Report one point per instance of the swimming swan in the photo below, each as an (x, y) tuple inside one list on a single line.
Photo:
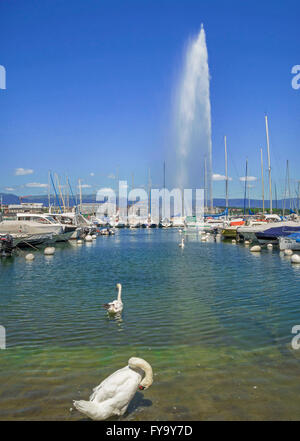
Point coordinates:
[(182, 243), (114, 394), (117, 305)]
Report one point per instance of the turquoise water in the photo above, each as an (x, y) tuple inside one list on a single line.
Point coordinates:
[(213, 320)]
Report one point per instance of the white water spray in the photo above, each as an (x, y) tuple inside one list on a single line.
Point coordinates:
[(194, 146)]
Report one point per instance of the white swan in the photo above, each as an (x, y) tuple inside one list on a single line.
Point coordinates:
[(116, 306), (113, 395), (182, 243)]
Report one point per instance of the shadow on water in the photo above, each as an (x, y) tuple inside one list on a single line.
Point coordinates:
[(137, 403)]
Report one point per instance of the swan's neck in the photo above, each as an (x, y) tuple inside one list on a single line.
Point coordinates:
[(119, 293), (139, 363)]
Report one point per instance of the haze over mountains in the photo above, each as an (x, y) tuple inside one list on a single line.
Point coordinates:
[(91, 198)]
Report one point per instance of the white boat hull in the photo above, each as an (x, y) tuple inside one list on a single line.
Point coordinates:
[(29, 228), (286, 243)]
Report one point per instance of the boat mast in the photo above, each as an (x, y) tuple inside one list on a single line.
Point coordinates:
[(68, 194), (80, 195), (269, 163), (49, 191), (164, 188), (285, 185), (205, 186), (298, 196), (289, 186), (248, 186), (56, 195), (226, 173), (60, 192), (245, 191), (149, 193), (117, 190), (262, 180)]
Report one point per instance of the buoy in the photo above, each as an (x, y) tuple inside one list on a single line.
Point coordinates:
[(288, 252), (295, 258), (233, 241), (94, 236), (255, 249), (80, 242), (270, 246), (246, 242), (203, 238), (29, 256), (88, 238), (49, 251)]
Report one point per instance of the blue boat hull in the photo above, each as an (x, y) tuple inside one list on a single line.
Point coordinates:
[(272, 234)]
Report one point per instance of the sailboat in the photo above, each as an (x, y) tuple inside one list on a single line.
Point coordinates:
[(149, 223), (165, 221)]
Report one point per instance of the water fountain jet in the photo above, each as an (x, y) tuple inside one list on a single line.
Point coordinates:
[(193, 123)]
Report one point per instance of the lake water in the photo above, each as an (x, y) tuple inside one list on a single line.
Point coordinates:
[(213, 320)]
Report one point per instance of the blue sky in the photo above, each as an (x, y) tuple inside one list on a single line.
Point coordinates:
[(90, 87)]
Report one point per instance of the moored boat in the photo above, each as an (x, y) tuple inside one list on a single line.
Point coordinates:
[(290, 242), (31, 223), (6, 245), (271, 235), (230, 232)]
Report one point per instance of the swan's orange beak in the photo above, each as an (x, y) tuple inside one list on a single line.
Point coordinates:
[(141, 387)]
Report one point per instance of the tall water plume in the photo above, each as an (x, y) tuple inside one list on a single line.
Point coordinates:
[(193, 120)]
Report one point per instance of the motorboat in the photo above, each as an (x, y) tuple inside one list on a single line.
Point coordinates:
[(165, 223), (134, 222), (215, 225), (27, 240), (290, 242), (106, 231), (149, 223), (71, 222), (272, 234), (6, 245), (192, 224), (80, 225), (177, 221), (230, 232), (255, 225), (31, 223)]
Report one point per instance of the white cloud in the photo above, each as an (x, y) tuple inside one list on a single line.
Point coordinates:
[(9, 189), (23, 171), (111, 176), (36, 185), (106, 190), (92, 174), (249, 178), (217, 177), (85, 186)]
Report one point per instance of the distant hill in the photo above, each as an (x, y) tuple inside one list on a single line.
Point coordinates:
[(9, 198), (90, 199)]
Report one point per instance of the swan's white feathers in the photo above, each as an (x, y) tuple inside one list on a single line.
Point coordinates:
[(109, 387), (115, 306), (114, 394)]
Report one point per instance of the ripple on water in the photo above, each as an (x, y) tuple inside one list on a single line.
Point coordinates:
[(214, 320)]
